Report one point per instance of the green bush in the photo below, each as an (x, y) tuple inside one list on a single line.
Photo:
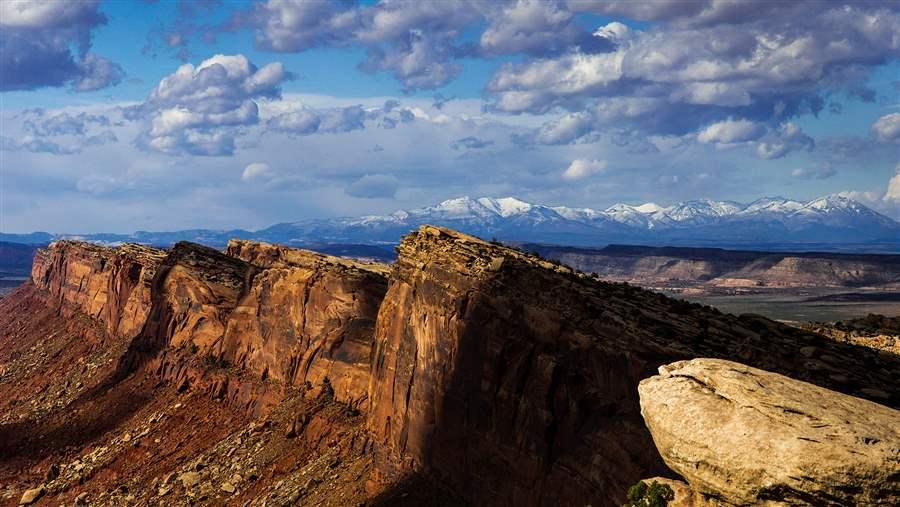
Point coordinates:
[(654, 495)]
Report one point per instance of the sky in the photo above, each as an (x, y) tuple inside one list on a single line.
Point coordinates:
[(117, 116)]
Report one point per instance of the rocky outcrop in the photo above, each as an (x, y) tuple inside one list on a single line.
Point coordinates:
[(284, 315), (111, 285), (746, 436), (305, 317), (514, 378), (510, 377)]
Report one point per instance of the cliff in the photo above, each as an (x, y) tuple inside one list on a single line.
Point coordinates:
[(284, 315), (111, 285), (510, 378), (514, 378)]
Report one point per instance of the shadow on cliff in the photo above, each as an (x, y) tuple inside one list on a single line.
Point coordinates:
[(525, 392), (416, 490)]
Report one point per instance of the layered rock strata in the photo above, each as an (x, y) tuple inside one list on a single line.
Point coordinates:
[(745, 436), (112, 285), (511, 376), (283, 315)]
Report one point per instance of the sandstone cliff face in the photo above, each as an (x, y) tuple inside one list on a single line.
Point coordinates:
[(287, 316), (111, 285), (514, 379), (746, 437), (510, 377), (284, 315), (305, 317)]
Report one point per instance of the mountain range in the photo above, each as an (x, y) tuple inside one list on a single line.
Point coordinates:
[(832, 222)]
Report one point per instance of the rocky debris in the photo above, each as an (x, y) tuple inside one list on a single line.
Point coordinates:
[(875, 331), (510, 379), (32, 495), (747, 436), (189, 479), (52, 473)]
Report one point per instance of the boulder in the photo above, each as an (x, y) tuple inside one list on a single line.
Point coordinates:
[(32, 495), (748, 436)]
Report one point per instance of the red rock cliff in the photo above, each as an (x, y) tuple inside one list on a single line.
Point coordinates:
[(284, 315), (111, 285), (515, 379)]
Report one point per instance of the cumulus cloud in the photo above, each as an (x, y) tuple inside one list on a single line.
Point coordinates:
[(789, 137), (257, 171), (892, 194), (887, 128), (47, 44), (536, 27), (373, 186), (60, 133), (197, 109), (706, 62), (471, 143), (582, 168), (731, 131), (821, 172)]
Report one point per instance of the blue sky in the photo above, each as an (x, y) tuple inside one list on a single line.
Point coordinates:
[(291, 110)]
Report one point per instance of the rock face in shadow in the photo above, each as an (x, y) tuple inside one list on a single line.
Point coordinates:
[(111, 285), (514, 379), (746, 436)]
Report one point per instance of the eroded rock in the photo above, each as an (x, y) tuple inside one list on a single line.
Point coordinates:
[(514, 380), (32, 495), (748, 436)]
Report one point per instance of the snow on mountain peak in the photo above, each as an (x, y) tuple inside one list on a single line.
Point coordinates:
[(505, 206), (648, 208)]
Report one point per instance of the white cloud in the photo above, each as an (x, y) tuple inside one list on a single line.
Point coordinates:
[(47, 44), (257, 171), (196, 109), (582, 168), (887, 128), (731, 131), (892, 194)]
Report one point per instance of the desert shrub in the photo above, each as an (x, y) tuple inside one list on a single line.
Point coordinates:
[(652, 495)]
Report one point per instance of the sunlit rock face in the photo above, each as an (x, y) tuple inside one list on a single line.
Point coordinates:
[(747, 436), (112, 285)]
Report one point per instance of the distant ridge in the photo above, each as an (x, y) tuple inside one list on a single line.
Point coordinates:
[(831, 222)]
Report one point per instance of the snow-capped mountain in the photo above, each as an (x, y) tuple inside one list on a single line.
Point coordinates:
[(770, 222)]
